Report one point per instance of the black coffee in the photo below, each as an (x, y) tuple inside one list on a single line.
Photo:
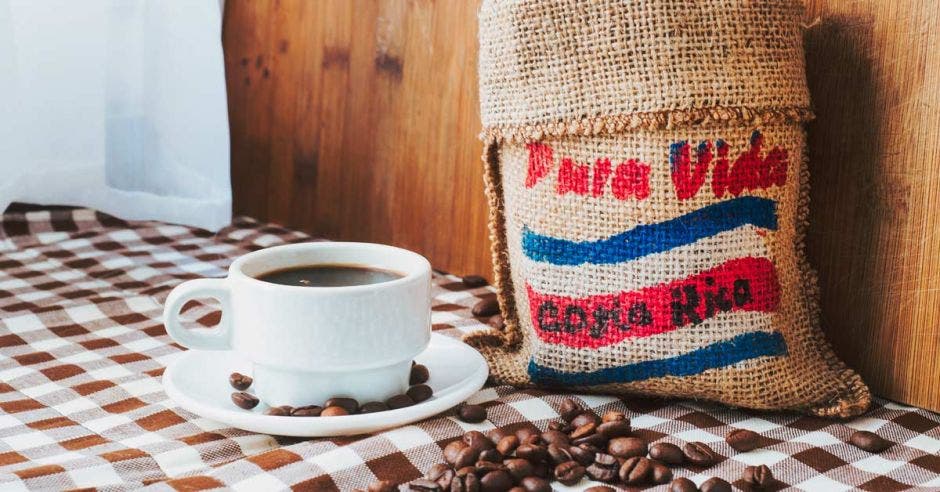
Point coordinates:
[(330, 275)]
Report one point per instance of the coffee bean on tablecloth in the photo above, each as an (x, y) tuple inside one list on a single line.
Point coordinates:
[(613, 416), (667, 453), (466, 457), (582, 455), (661, 473), (473, 281), (635, 470), (485, 308), (627, 447), (535, 484), (333, 411), (349, 404), (558, 454), (715, 484), (698, 453), (585, 418), (532, 452), (869, 441), (424, 485), (399, 401), (245, 400), (570, 409), (239, 381), (451, 451), (420, 392), (491, 455), (569, 472), (682, 484), (473, 414), (478, 440), (419, 374), (507, 445), (382, 486), (496, 481), (583, 431), (612, 429), (437, 471), (528, 432), (372, 407), (483, 467), (758, 477), (307, 411), (556, 437), (743, 440), (600, 488), (281, 411), (518, 468)]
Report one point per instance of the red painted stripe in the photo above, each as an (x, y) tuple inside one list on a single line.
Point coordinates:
[(741, 284)]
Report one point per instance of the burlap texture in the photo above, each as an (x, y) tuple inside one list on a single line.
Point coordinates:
[(631, 82)]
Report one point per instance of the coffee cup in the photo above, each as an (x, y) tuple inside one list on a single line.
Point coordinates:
[(311, 343)]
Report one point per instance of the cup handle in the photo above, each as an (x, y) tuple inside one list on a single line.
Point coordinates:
[(218, 338)]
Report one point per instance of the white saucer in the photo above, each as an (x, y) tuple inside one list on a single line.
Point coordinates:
[(198, 381)]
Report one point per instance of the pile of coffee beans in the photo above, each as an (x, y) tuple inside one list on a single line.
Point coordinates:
[(338, 406)]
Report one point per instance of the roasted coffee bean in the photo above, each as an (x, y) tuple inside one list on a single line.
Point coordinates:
[(585, 417), (606, 460), (698, 453), (583, 431), (559, 425), (742, 440), (682, 484), (600, 473), (517, 488), (486, 307), (569, 472), (532, 452), (758, 477), (600, 488), (382, 486), (437, 471), (582, 455), (399, 401), (424, 485), (466, 457), (507, 445), (349, 404), (527, 432), (466, 470), (473, 414), (635, 470), (281, 411), (239, 381), (542, 470), (518, 468), (535, 484), (245, 400), (496, 481), (556, 437), (627, 447), (451, 451), (372, 407), (484, 467), (419, 374), (420, 392), (334, 411), (558, 454), (473, 281), (596, 440), (446, 479), (570, 409), (491, 455), (471, 483), (661, 473), (478, 441), (615, 428), (498, 433), (613, 416), (667, 453), (715, 484), (869, 441), (307, 411)]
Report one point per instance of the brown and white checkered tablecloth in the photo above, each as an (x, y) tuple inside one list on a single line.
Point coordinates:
[(82, 350)]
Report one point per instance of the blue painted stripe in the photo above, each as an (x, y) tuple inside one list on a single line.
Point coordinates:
[(720, 354), (648, 239)]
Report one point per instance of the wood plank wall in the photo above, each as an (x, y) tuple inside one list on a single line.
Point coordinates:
[(357, 120)]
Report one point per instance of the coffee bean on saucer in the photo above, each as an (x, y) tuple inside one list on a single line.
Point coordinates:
[(333, 411), (682, 484), (281, 411), (743, 440), (485, 308), (420, 392), (869, 441), (570, 409), (758, 477), (239, 381), (473, 414), (399, 401), (245, 400), (382, 486), (698, 453), (667, 453), (419, 374), (307, 411), (349, 404), (715, 484), (473, 281), (372, 407)]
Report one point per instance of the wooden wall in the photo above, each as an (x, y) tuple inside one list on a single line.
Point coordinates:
[(357, 120)]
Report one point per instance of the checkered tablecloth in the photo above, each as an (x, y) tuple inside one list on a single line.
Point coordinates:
[(83, 348)]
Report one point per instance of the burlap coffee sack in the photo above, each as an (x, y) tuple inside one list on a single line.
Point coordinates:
[(648, 203)]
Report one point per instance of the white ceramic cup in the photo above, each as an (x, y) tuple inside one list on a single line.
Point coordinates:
[(308, 344)]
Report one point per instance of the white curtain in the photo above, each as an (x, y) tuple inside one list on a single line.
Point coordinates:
[(117, 105)]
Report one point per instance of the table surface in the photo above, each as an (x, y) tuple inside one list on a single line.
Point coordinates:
[(83, 348)]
